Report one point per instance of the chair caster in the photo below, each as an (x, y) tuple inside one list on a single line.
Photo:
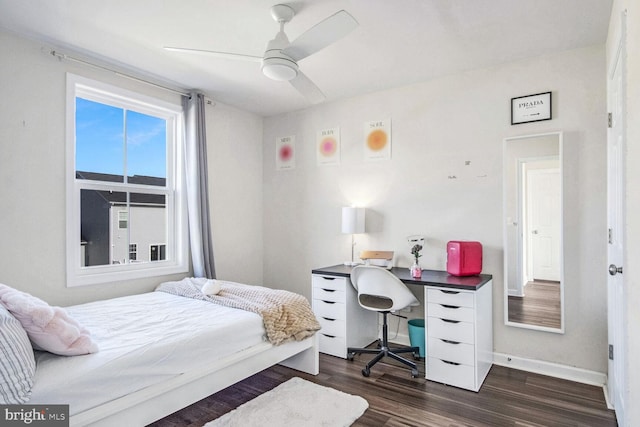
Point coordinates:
[(366, 372), (350, 356), (414, 373)]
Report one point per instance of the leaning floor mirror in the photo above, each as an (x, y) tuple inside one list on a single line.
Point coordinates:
[(533, 263)]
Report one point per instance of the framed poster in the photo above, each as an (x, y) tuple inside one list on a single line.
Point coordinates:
[(377, 140), (531, 108), (328, 146), (285, 152)]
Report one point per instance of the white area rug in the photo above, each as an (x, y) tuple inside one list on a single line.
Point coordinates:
[(296, 402)]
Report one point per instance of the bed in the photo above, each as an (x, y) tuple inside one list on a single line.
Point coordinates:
[(159, 352)]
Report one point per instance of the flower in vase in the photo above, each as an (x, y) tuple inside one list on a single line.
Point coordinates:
[(415, 251)]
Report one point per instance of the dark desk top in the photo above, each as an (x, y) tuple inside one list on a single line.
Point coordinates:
[(429, 277)]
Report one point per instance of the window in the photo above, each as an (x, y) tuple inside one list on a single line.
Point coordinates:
[(157, 252), (133, 251), (124, 185), (123, 219)]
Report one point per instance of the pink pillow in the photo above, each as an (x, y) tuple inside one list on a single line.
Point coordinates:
[(49, 328)]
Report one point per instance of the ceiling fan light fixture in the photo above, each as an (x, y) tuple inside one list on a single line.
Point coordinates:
[(279, 69)]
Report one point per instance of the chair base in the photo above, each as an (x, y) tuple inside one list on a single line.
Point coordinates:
[(386, 351)]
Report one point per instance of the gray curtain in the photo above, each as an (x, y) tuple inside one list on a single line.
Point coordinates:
[(197, 187)]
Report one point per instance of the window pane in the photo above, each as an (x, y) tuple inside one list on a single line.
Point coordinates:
[(146, 149), (99, 141), (148, 223), (103, 236), (98, 210)]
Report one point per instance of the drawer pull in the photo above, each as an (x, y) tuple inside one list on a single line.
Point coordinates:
[(329, 336), (450, 321), (449, 341), (329, 319), (328, 302), (328, 290), (328, 278), (450, 306), (451, 363), (449, 292)]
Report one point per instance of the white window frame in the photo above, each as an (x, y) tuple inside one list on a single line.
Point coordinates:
[(177, 230)]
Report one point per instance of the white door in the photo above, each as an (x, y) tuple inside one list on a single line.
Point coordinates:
[(616, 294), (544, 221)]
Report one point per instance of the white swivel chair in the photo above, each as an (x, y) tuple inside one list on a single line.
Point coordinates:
[(380, 290)]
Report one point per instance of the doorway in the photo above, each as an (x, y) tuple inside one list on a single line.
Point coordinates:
[(616, 292)]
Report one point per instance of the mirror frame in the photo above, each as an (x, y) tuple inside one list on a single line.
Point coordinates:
[(507, 141)]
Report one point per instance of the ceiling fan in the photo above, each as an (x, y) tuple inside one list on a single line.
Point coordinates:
[(280, 59)]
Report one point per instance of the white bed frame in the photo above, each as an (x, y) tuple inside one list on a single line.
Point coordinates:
[(155, 402)]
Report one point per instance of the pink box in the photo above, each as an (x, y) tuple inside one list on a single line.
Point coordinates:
[(464, 258)]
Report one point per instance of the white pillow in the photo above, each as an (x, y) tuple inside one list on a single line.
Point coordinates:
[(17, 364), (211, 287), (49, 328)]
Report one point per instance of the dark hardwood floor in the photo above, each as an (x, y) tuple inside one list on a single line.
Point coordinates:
[(508, 397), (540, 306)]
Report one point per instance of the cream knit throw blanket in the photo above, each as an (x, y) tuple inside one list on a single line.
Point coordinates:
[(286, 315)]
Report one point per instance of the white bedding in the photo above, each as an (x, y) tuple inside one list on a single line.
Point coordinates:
[(173, 334)]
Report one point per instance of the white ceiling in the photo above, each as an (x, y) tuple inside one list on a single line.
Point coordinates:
[(397, 43)]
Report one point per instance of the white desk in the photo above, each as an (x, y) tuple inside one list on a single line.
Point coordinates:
[(458, 321)]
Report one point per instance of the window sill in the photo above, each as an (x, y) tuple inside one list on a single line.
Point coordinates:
[(87, 277)]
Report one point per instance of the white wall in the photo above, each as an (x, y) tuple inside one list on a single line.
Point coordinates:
[(632, 183), (234, 140), (32, 185), (436, 127)]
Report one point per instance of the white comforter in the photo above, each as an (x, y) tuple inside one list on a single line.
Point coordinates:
[(142, 339)]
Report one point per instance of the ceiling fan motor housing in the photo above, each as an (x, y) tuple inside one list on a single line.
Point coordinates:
[(275, 64)]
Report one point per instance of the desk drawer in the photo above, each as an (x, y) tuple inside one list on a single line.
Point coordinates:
[(452, 331), (329, 282), (450, 373), (451, 351), (332, 326), (328, 295), (336, 346), (451, 312), (329, 309), (450, 297)]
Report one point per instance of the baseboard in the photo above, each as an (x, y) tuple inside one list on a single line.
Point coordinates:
[(556, 370), (551, 369), (607, 400)]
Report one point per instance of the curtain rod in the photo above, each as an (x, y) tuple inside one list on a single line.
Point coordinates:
[(117, 73)]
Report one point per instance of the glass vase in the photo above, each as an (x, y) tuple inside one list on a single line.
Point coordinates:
[(416, 271)]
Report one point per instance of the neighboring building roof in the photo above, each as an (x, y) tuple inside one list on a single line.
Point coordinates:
[(120, 197), (135, 179)]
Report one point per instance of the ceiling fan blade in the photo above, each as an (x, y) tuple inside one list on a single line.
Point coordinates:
[(213, 53), (321, 35), (307, 88)]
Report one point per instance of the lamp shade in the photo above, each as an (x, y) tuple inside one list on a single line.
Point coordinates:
[(352, 220)]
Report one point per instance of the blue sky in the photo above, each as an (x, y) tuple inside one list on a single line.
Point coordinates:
[(100, 146)]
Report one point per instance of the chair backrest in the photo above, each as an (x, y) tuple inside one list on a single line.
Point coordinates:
[(380, 290)]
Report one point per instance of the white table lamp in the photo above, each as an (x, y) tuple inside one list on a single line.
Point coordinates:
[(352, 223)]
